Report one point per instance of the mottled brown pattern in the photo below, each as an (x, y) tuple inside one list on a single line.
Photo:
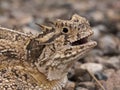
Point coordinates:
[(29, 62)]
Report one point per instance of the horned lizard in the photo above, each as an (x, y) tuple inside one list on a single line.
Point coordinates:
[(41, 62)]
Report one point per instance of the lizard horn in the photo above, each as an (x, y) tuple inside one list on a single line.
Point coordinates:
[(43, 27)]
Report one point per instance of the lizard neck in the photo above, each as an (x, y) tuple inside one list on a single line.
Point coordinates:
[(45, 83)]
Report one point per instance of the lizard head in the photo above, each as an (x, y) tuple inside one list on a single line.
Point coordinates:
[(68, 41), (74, 33), (73, 36)]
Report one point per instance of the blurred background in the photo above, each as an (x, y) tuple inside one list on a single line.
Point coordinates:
[(104, 18)]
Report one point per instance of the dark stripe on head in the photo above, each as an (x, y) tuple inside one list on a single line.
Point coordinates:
[(53, 38)]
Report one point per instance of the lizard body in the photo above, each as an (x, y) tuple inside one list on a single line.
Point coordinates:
[(29, 62)]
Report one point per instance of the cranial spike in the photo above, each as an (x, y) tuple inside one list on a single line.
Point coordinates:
[(76, 18), (44, 28)]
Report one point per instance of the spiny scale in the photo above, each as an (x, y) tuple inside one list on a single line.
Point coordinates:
[(42, 62)]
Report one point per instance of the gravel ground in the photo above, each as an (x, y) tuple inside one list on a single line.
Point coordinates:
[(104, 16)]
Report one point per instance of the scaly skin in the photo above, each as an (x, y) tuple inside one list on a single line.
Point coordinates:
[(29, 62)]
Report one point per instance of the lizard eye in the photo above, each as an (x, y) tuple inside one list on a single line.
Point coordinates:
[(65, 30)]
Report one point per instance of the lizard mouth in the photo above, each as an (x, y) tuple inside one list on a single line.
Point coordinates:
[(80, 41)]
